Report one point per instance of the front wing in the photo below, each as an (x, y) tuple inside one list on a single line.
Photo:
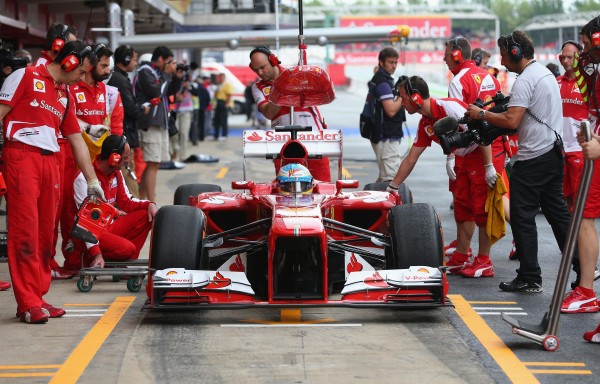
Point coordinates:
[(418, 286)]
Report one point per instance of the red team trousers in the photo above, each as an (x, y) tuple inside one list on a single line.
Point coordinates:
[(32, 181)]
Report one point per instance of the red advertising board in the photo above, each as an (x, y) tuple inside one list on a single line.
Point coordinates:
[(424, 27), (370, 58)]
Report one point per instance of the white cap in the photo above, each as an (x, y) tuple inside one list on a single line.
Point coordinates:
[(145, 57)]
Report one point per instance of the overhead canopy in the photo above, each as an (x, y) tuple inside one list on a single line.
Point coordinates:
[(255, 38)]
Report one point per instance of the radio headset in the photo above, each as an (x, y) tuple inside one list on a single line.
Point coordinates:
[(457, 54), (413, 94), (273, 59), (515, 53), (60, 40), (75, 58)]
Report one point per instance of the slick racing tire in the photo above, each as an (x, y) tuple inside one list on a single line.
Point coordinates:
[(403, 190), (177, 237), (416, 236), (183, 192)]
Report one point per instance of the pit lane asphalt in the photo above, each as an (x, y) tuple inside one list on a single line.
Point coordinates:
[(107, 338)]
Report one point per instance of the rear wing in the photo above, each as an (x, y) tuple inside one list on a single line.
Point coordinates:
[(267, 144)]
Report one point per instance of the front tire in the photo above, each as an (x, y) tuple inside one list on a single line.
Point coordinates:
[(177, 237), (403, 190), (416, 234), (183, 192)]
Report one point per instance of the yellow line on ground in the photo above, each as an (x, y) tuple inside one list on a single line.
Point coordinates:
[(36, 374), (493, 302), (290, 315), (30, 366), (553, 364), (222, 172), (83, 354), (514, 368), (345, 173), (561, 371)]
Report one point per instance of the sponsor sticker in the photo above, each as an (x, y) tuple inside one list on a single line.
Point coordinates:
[(39, 86), (80, 96)]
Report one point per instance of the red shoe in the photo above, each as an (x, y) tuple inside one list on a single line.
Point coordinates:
[(52, 311), (513, 255), (592, 336), (450, 248), (35, 315), (455, 266), (578, 302), (478, 269), (63, 274), (4, 285)]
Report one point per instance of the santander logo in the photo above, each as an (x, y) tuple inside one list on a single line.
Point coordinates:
[(354, 265), (254, 137), (218, 281), (376, 281), (238, 266)]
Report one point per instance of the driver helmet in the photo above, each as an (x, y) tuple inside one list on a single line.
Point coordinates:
[(294, 179)]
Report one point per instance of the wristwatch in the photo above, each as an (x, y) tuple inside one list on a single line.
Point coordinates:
[(482, 114)]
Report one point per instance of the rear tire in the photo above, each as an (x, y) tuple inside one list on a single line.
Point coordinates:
[(403, 190), (416, 236), (183, 192), (177, 237)]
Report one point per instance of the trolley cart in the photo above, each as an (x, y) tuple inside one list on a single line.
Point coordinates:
[(134, 270), (546, 333)]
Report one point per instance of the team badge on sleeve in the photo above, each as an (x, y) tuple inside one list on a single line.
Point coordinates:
[(39, 85)]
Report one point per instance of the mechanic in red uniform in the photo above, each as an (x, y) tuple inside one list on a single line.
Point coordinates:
[(35, 106), (95, 104), (126, 236), (58, 35), (470, 195), (574, 111), (469, 84), (583, 298), (267, 66)]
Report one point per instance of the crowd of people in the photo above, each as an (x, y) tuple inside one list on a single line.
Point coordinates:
[(544, 152), (74, 127)]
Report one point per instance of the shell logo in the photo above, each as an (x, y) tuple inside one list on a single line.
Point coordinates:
[(429, 130), (39, 85), (171, 273), (267, 90), (80, 97), (423, 270)]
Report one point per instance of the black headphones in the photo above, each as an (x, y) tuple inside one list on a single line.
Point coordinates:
[(98, 48), (125, 54), (572, 42), (413, 94), (273, 60), (513, 49), (457, 54), (75, 58), (478, 57)]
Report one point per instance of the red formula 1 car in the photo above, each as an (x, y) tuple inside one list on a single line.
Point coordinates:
[(256, 247)]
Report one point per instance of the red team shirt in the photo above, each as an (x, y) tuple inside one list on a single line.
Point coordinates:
[(94, 105), (574, 110), (41, 107)]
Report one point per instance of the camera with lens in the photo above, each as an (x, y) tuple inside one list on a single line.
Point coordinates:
[(7, 59), (183, 67), (479, 131)]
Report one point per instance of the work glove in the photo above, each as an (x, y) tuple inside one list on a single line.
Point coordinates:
[(96, 130), (392, 188), (94, 191), (490, 175), (450, 167)]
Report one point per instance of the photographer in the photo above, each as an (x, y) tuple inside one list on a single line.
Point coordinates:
[(472, 187), (389, 116), (535, 111), (184, 108), (9, 63), (156, 80)]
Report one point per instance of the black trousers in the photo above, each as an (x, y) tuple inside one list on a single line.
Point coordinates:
[(537, 183), (220, 122)]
